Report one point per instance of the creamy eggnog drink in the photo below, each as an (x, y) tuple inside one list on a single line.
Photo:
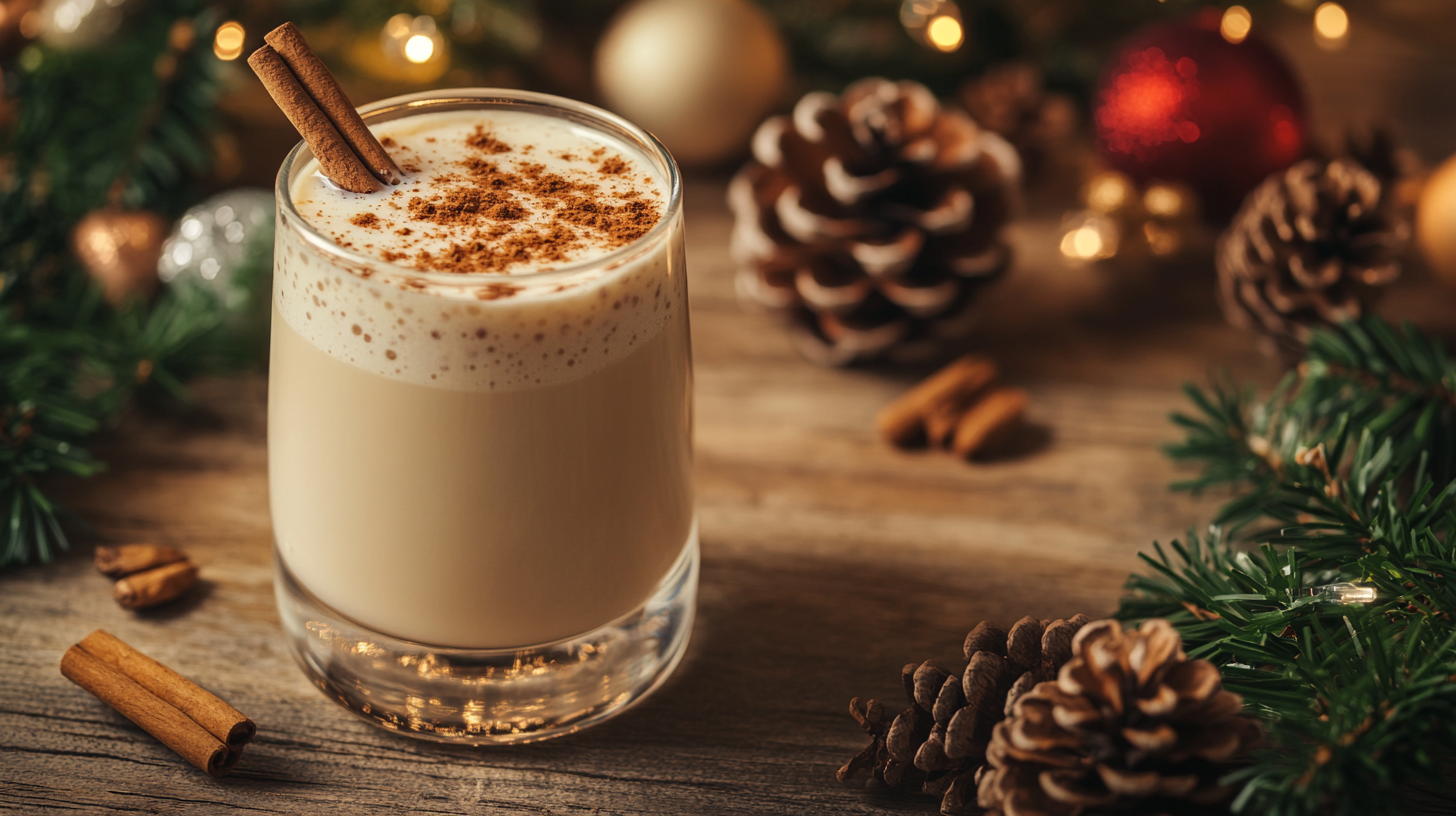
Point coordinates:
[(480, 419)]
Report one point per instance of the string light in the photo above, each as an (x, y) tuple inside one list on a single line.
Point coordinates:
[(412, 41), (228, 42), (936, 23), (1342, 593), (419, 48), (1331, 26), (1090, 238), (945, 33), (1236, 23), (1108, 191), (1163, 201)]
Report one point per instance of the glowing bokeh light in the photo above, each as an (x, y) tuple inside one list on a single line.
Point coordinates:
[(419, 48), (945, 33), (228, 43), (1236, 23), (1163, 201), (1331, 26)]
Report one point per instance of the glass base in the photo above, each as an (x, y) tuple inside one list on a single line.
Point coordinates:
[(492, 696)]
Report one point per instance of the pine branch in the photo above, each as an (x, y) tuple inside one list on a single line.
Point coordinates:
[(1346, 487), (123, 124)]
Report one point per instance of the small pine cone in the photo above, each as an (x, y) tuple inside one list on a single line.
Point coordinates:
[(939, 742), (1129, 726), (1312, 245), (1010, 100), (872, 220)]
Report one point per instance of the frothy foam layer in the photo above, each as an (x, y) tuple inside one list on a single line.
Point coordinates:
[(488, 327), (490, 192)]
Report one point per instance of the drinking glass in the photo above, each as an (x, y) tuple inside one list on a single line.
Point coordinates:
[(504, 550)]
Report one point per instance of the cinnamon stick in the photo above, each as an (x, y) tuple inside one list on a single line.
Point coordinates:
[(126, 559), (142, 590), (335, 157), (989, 421), (174, 729), (902, 422), (940, 422), (206, 709), (319, 82)]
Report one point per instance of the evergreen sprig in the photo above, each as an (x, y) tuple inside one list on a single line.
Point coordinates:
[(123, 124), (1344, 487)]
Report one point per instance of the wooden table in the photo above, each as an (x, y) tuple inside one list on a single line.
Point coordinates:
[(829, 560)]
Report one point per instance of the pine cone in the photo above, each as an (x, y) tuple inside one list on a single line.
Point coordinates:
[(1312, 245), (940, 741), (1010, 100), (1130, 726), (872, 220)]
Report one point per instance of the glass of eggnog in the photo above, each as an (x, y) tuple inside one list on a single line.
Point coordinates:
[(480, 420)]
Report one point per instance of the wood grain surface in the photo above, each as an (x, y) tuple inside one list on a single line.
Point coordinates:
[(829, 560)]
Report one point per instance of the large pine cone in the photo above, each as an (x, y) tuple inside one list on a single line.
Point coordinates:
[(1310, 246), (872, 219), (1130, 726), (940, 741)]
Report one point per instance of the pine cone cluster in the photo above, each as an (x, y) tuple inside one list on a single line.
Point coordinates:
[(872, 219), (939, 742), (1312, 245), (1129, 726)]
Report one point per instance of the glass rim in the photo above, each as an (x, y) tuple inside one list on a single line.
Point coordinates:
[(422, 102)]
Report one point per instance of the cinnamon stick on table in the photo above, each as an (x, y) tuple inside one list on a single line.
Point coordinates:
[(190, 720), (155, 586), (116, 562), (176, 730), (944, 394)]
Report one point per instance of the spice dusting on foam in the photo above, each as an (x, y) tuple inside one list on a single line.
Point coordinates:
[(488, 195), (476, 202)]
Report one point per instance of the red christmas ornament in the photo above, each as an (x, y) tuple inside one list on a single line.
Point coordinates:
[(1180, 103)]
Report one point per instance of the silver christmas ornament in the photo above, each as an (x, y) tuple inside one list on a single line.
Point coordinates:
[(214, 240)]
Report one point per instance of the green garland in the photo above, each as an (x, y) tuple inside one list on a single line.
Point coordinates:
[(97, 127), (1344, 476)]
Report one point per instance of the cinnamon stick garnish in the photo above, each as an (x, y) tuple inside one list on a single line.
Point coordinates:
[(203, 707), (319, 82), (142, 590), (904, 421), (989, 421), (126, 559), (335, 157), (174, 729)]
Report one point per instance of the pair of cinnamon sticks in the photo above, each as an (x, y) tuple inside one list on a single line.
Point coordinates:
[(311, 98), (147, 574), (959, 407), (190, 720)]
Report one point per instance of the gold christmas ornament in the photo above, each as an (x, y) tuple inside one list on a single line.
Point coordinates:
[(1436, 222), (119, 250), (699, 74)]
